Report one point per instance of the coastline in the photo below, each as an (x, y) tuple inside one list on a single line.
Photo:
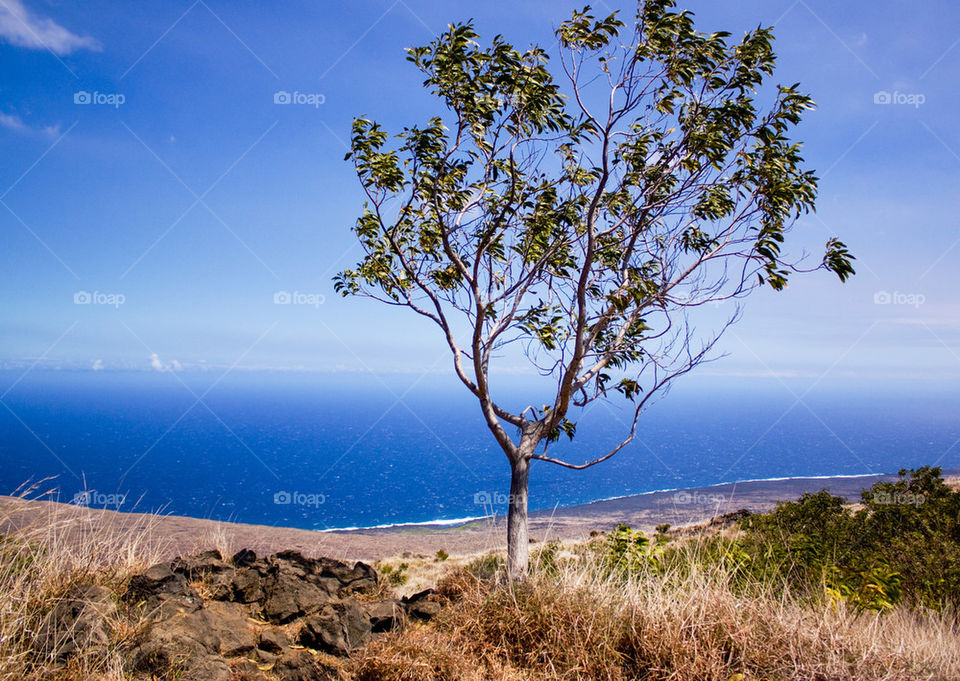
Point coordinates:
[(175, 535), (574, 508)]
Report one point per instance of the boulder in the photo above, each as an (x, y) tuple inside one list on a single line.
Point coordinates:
[(337, 629), (289, 597), (196, 643), (247, 586), (299, 665), (385, 615), (177, 647), (161, 592), (422, 605), (244, 558), (78, 623), (229, 624), (359, 578), (273, 641), (200, 566), (241, 585)]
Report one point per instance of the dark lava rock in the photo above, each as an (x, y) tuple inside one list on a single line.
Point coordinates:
[(78, 623), (337, 629), (196, 643), (244, 558), (385, 615), (199, 566), (422, 605), (246, 585), (273, 641), (223, 634), (299, 665), (728, 519), (243, 585), (357, 579), (161, 592), (289, 596)]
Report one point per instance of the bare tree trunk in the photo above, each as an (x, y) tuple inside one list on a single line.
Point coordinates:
[(518, 545)]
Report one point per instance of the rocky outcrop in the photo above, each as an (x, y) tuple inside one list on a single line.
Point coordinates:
[(160, 593), (209, 617), (79, 622), (422, 605)]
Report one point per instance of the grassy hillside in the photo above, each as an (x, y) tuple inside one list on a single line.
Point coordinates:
[(816, 589)]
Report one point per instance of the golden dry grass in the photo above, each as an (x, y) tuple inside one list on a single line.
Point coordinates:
[(573, 621), (39, 565), (581, 623)]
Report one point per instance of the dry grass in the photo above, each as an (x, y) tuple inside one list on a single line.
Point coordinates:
[(578, 622), (40, 563), (572, 621), (421, 572)]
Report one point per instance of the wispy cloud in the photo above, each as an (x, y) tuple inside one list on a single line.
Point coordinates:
[(21, 27), (17, 124), (13, 122)]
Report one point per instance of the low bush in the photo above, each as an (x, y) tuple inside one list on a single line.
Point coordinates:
[(901, 546)]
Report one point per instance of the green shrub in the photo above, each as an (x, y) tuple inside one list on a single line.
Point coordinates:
[(396, 575), (486, 567), (902, 546), (626, 550), (544, 558)]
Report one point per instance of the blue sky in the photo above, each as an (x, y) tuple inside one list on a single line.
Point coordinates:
[(146, 163)]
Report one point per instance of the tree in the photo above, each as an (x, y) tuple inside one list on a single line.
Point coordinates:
[(583, 222)]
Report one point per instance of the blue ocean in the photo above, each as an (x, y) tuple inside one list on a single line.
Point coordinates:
[(328, 451)]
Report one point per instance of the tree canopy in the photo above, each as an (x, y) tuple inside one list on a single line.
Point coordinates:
[(584, 216)]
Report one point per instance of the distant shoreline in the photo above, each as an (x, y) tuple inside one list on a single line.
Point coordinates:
[(177, 535), (455, 522)]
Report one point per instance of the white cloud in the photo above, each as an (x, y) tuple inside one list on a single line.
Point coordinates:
[(15, 123), (20, 27), (97, 365), (160, 365), (156, 363)]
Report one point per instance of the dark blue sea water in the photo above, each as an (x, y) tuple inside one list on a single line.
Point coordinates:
[(345, 450)]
